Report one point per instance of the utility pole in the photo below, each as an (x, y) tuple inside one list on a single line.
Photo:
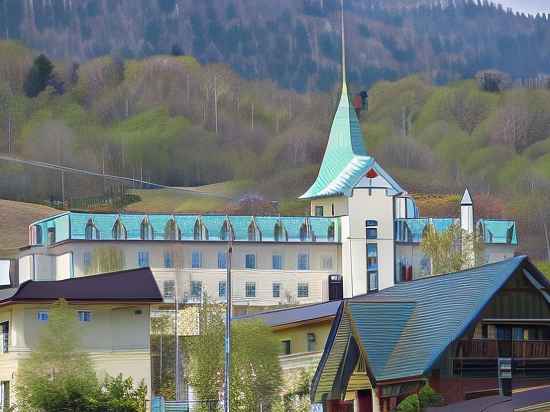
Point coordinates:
[(227, 387), (176, 307), (216, 101)]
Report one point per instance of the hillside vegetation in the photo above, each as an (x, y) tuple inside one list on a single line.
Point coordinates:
[(156, 119), (294, 43)]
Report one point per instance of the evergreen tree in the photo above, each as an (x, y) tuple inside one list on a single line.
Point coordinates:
[(39, 76)]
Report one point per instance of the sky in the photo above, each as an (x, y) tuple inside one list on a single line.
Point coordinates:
[(528, 6)]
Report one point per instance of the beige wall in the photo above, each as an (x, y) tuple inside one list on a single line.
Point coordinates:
[(340, 206), (210, 276), (117, 339)]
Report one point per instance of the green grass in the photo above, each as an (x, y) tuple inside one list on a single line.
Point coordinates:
[(180, 201), (544, 267)]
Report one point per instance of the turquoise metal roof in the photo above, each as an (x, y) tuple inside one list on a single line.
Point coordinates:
[(499, 231), (346, 159), (412, 230), (77, 222), (406, 328)]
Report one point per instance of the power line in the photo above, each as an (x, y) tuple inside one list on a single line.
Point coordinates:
[(73, 170)]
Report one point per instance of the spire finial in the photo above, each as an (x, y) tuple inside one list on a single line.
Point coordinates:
[(344, 80)]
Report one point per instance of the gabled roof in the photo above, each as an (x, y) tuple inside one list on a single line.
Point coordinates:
[(442, 309), (135, 285), (406, 328)]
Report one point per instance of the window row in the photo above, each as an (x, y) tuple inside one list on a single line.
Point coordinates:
[(172, 260), (310, 344), (83, 316), (201, 232), (250, 290)]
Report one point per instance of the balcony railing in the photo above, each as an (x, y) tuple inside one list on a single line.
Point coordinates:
[(492, 349)]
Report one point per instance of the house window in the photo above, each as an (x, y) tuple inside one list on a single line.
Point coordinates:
[(319, 211), (168, 260), (87, 260), (196, 289), (226, 232), (311, 342), (326, 263), (330, 233), (279, 233), (286, 347), (84, 316), (222, 260), (252, 233), (303, 261), (119, 231), (222, 289), (250, 289), (143, 259), (277, 262), (171, 230), (42, 316), (304, 233), (276, 290), (372, 267), (250, 261), (303, 290), (4, 396), (169, 289), (196, 259), (4, 337), (51, 236), (372, 229), (146, 230)]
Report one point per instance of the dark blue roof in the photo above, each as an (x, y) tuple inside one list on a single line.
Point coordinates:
[(296, 314), (404, 329)]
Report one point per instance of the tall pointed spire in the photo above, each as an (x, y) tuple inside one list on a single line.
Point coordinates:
[(343, 28)]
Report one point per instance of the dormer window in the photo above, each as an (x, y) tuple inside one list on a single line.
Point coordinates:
[(146, 230), (172, 231), (119, 231), (91, 232)]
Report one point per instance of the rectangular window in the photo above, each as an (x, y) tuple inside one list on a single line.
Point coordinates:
[(250, 262), (311, 342), (222, 289), (327, 263), (276, 290), (169, 289), (4, 337), (372, 229), (250, 289), (319, 211), (168, 260), (51, 236), (277, 262), (196, 259), (303, 261), (303, 290), (196, 289), (42, 316), (222, 260), (4, 396), (372, 267), (286, 348), (87, 260), (143, 259), (84, 316)]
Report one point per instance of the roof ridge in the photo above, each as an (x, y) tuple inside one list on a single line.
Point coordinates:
[(105, 274), (309, 305)]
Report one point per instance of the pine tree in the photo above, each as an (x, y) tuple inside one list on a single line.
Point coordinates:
[(39, 76)]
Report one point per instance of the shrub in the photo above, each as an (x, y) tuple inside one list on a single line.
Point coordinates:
[(428, 397), (409, 404)]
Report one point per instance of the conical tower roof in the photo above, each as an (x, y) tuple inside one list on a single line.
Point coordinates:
[(346, 159)]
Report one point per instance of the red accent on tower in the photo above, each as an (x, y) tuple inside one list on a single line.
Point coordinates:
[(371, 174)]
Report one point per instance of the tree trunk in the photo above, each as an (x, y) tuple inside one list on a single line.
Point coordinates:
[(547, 238)]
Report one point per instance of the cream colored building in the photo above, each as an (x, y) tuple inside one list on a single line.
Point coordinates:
[(114, 321)]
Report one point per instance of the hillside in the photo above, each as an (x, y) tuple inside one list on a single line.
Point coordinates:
[(172, 121), (294, 43), (15, 218)]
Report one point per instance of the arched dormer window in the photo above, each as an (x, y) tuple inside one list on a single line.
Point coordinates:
[(304, 233), (91, 232), (146, 230), (227, 231), (172, 231), (119, 231), (254, 234), (331, 233), (38, 239), (280, 233), (199, 231)]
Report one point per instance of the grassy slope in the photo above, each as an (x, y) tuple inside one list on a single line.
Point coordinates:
[(15, 217)]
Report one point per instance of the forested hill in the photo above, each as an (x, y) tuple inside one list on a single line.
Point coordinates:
[(292, 42)]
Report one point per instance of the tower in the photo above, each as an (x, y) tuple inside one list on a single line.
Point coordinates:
[(467, 226), (352, 185)]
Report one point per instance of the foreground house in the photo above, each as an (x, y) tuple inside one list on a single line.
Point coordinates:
[(448, 331), (114, 313)]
